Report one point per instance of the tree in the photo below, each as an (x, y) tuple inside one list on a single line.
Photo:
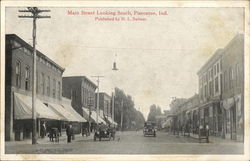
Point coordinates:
[(154, 111), (132, 119)]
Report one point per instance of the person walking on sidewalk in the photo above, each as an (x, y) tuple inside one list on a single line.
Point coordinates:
[(69, 132)]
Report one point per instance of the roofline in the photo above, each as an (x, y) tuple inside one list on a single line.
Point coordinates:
[(236, 37), (84, 77), (14, 36), (217, 54), (104, 94), (221, 50)]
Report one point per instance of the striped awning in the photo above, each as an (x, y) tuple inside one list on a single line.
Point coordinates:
[(68, 112), (23, 108)]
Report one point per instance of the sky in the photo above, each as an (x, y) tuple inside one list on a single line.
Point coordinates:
[(157, 58)]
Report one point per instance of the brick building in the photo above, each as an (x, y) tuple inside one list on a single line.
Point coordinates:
[(233, 88), (18, 86), (210, 93), (221, 90), (220, 103), (104, 103), (81, 91)]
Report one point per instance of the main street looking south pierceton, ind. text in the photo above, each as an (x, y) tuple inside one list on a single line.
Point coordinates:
[(118, 15)]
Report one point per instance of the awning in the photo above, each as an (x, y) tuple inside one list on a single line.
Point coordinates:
[(86, 115), (23, 108), (112, 121), (68, 113), (76, 114), (92, 116), (166, 123), (228, 103), (100, 120)]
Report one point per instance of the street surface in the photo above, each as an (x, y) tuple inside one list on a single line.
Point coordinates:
[(128, 142)]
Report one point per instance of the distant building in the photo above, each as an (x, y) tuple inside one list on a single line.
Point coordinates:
[(104, 103), (18, 87), (81, 91)]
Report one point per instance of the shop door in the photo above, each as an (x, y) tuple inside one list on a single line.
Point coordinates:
[(233, 122)]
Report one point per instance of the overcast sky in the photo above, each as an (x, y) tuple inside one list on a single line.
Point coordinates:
[(157, 58)]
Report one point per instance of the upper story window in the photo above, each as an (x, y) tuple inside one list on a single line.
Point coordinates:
[(214, 69), (237, 74), (225, 81), (216, 84), (231, 77), (48, 86), (18, 74), (54, 88), (27, 78), (218, 69), (74, 95), (59, 90), (43, 83)]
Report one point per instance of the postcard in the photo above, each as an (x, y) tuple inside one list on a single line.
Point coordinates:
[(125, 80)]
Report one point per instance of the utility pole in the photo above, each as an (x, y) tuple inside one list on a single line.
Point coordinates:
[(90, 104), (113, 93), (35, 15), (122, 115), (113, 107), (97, 103)]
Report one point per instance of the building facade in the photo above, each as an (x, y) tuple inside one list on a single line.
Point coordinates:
[(81, 91), (233, 89), (18, 84), (104, 103), (220, 102), (210, 93)]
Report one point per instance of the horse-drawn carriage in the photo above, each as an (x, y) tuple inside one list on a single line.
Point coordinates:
[(54, 134)]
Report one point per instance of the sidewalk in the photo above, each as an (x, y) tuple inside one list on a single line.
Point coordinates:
[(45, 140), (215, 139)]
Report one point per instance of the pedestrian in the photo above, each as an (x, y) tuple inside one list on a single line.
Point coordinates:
[(43, 130), (69, 132)]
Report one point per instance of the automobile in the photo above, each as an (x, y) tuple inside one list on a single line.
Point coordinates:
[(104, 133), (149, 129)]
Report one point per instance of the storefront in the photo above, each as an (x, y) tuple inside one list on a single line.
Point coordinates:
[(23, 116), (210, 114), (233, 118)]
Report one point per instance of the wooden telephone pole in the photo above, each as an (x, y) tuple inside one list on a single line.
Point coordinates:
[(35, 15), (97, 102)]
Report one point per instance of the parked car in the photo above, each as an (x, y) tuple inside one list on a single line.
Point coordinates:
[(149, 129)]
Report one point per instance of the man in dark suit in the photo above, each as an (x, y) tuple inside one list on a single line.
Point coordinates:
[(69, 132)]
